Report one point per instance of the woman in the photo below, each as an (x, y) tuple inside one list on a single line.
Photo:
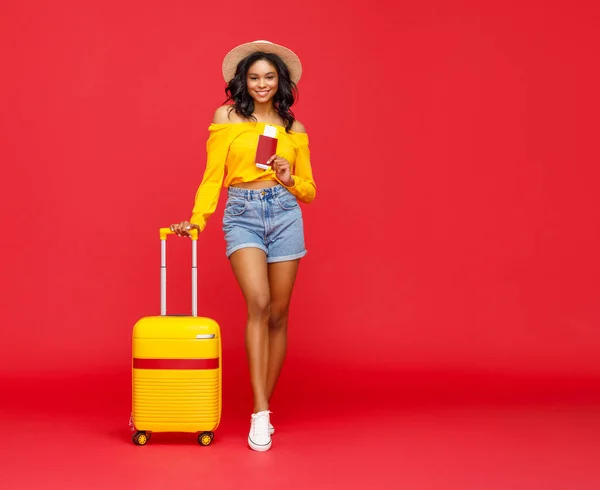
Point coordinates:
[(262, 221)]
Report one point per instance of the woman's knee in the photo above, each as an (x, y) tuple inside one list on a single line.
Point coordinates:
[(259, 307), (278, 317)]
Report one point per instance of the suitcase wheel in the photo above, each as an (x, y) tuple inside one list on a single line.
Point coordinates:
[(140, 438), (205, 438)]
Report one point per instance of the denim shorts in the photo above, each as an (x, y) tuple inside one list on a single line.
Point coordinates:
[(269, 219)]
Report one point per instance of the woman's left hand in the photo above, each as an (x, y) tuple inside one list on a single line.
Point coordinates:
[(282, 170)]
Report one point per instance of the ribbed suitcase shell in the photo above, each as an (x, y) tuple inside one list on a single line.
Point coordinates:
[(176, 374)]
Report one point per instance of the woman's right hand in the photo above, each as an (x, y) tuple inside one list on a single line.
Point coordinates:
[(183, 228)]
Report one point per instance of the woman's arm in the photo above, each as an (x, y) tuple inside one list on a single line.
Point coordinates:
[(304, 187), (217, 147)]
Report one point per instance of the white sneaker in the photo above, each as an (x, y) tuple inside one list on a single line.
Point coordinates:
[(271, 429), (259, 438)]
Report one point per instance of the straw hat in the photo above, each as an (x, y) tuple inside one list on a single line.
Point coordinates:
[(238, 53)]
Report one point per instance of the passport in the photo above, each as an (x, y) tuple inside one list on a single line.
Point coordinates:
[(267, 147)]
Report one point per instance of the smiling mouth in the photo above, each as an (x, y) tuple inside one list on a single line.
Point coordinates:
[(262, 93)]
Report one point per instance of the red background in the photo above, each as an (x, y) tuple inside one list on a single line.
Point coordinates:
[(455, 228)]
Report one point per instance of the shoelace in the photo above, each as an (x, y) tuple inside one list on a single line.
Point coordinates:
[(258, 421)]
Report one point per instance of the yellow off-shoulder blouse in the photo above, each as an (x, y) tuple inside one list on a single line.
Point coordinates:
[(230, 150)]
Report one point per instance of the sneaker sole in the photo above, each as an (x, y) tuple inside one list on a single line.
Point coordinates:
[(257, 447)]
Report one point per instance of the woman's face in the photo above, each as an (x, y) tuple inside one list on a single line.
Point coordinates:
[(262, 81)]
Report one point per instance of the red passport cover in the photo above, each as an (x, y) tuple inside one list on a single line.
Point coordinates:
[(267, 147)]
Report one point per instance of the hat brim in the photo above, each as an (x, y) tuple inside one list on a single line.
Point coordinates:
[(238, 53)]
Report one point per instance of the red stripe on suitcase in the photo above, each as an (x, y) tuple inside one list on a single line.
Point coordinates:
[(176, 363)]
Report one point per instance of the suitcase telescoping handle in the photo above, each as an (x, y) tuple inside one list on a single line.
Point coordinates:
[(164, 232)]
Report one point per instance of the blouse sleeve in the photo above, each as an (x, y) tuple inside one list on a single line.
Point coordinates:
[(207, 195), (304, 187)]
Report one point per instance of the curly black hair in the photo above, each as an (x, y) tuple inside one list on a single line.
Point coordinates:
[(284, 98)]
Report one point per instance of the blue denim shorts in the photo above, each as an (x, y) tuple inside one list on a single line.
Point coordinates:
[(269, 219)]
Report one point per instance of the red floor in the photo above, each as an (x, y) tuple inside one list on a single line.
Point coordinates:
[(408, 431)]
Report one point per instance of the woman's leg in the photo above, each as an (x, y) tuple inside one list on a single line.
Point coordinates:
[(250, 269), (281, 283)]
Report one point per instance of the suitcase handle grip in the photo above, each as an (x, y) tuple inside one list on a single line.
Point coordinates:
[(164, 232), (167, 231)]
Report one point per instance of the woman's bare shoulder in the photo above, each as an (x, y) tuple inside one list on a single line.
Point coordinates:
[(298, 127), (225, 114)]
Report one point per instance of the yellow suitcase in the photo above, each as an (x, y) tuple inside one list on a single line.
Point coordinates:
[(176, 367)]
